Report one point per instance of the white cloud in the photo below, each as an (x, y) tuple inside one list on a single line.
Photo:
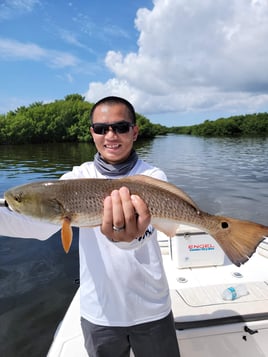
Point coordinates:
[(70, 38), (11, 49), (13, 8), (194, 56)]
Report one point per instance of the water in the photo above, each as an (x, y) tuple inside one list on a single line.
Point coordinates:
[(37, 279), (224, 176)]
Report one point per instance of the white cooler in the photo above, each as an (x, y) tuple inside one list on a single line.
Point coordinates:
[(191, 247)]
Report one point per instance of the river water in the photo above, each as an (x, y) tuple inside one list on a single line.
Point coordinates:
[(38, 280)]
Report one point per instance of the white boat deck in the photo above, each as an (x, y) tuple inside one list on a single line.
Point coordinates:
[(206, 324)]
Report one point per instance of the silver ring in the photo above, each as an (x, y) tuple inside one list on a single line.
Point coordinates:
[(118, 229)]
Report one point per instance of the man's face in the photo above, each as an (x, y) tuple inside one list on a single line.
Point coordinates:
[(112, 146)]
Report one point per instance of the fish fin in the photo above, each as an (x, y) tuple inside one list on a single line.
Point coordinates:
[(66, 234), (166, 226), (239, 239), (164, 185)]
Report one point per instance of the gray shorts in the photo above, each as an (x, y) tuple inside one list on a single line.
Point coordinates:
[(156, 339)]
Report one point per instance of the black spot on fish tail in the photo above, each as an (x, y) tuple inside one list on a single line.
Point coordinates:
[(224, 225)]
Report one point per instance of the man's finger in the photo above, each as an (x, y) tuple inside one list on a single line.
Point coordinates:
[(107, 219), (118, 212), (142, 211)]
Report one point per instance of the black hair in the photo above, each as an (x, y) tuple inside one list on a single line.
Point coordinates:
[(115, 100)]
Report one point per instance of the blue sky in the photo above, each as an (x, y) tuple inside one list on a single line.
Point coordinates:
[(179, 62)]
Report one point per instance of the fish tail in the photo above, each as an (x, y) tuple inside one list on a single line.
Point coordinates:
[(239, 239)]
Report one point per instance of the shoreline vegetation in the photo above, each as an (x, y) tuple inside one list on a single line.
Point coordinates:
[(67, 120)]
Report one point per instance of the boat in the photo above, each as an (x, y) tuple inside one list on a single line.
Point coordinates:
[(207, 325)]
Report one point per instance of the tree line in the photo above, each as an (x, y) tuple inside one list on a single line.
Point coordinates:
[(67, 120), (240, 125), (64, 120)]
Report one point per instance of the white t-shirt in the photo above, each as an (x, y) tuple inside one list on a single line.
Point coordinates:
[(120, 287), (121, 284)]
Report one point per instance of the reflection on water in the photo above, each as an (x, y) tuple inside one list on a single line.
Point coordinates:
[(224, 176), (38, 162)]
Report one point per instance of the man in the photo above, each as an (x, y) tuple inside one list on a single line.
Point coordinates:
[(125, 300)]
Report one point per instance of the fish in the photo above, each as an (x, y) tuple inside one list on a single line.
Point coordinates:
[(79, 202)]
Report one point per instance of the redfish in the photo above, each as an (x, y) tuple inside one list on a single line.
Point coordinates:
[(79, 202)]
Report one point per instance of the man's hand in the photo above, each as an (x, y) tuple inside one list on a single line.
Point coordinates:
[(125, 216)]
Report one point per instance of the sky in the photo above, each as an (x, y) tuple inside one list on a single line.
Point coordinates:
[(180, 62)]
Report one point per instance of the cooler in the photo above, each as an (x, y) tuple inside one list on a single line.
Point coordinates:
[(191, 247)]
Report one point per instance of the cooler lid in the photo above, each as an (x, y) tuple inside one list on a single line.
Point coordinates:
[(183, 229)]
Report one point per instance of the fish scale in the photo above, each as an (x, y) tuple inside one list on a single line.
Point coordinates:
[(79, 202)]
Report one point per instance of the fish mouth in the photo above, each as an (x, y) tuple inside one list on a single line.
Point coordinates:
[(4, 203)]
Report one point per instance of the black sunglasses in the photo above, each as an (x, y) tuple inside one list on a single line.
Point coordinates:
[(120, 127)]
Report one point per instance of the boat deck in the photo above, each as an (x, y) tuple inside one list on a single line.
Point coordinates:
[(199, 310)]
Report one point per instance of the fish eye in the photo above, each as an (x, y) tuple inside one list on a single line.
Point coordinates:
[(18, 197)]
